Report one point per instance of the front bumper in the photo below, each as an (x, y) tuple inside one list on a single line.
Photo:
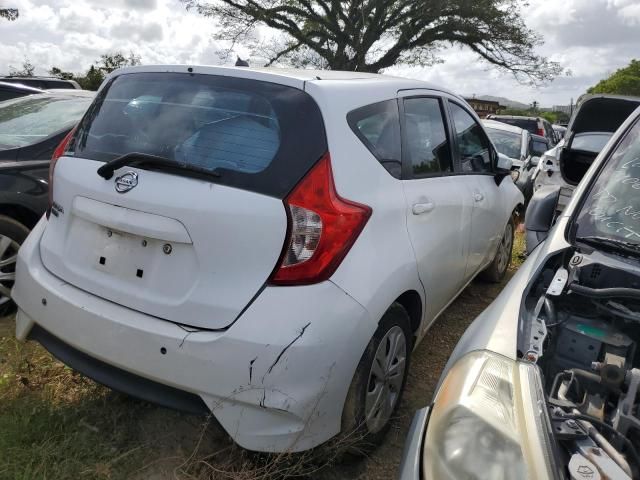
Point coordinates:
[(276, 380), (411, 465)]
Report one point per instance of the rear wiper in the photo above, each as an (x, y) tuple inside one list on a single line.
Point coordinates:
[(137, 158), (610, 244)]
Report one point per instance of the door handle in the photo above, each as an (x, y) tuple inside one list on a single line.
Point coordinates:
[(478, 197), (420, 208)]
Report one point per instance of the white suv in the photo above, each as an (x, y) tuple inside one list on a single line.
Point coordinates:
[(267, 245)]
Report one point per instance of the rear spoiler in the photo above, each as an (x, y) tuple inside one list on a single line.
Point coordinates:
[(25, 165)]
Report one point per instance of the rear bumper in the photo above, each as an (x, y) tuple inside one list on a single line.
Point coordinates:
[(276, 379)]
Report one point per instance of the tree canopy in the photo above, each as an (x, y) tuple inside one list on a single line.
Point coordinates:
[(371, 35), (625, 81), (95, 75), (9, 13)]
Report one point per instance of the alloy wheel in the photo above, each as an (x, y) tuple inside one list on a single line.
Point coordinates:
[(385, 379), (8, 257), (504, 250)]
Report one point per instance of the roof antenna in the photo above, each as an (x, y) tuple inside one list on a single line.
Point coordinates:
[(241, 63)]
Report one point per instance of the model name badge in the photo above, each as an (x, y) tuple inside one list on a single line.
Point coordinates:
[(126, 182)]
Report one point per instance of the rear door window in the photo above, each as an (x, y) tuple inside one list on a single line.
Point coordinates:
[(257, 135), (427, 148), (378, 128)]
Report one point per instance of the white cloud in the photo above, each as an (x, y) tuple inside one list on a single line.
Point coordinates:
[(591, 38)]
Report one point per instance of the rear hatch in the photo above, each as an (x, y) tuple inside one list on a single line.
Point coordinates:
[(593, 123), (190, 247)]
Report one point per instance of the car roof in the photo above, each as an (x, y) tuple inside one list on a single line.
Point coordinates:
[(502, 126), (521, 117), (288, 76)]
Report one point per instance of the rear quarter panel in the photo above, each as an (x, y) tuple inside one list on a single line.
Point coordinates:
[(381, 265)]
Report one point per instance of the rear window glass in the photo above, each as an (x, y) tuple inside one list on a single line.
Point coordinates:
[(259, 136), (530, 125), (588, 142)]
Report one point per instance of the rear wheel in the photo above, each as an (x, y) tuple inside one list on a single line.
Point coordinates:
[(498, 268), (377, 386), (12, 234)]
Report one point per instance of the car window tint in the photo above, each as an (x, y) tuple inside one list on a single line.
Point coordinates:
[(427, 146), (538, 147), (474, 147), (378, 128)]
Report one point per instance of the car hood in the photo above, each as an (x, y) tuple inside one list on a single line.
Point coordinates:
[(601, 113)]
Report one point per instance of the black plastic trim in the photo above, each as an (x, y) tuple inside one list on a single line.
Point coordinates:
[(117, 379)]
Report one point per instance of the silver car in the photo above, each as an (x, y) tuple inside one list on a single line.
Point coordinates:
[(545, 382)]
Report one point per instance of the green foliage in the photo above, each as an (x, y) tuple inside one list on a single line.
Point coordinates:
[(625, 81), (26, 70), (96, 73), (370, 35), (9, 13)]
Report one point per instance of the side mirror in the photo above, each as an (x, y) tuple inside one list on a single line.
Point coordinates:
[(535, 161), (541, 215), (504, 164)]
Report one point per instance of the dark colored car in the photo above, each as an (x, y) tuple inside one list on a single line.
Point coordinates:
[(43, 83), (31, 127), (9, 90), (534, 125)]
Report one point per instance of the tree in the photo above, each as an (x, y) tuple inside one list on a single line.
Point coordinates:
[(625, 81), (27, 69), (9, 13), (94, 77), (113, 61), (371, 35)]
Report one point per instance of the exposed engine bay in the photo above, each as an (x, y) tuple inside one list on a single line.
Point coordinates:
[(581, 325)]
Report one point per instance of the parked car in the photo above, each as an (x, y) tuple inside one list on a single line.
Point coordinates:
[(534, 125), (255, 244), (560, 131), (594, 121), (544, 383), (43, 83), (30, 129), (15, 90), (523, 148)]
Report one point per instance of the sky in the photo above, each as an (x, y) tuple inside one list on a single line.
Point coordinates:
[(589, 38)]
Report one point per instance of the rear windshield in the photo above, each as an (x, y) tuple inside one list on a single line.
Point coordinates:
[(257, 135), (590, 142), (530, 125), (507, 143)]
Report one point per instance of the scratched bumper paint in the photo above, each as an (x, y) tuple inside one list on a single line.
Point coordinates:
[(276, 379)]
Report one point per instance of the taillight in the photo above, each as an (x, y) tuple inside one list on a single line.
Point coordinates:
[(322, 228), (541, 132), (57, 153)]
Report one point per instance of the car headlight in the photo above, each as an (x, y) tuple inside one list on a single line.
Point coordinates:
[(515, 175), (489, 421)]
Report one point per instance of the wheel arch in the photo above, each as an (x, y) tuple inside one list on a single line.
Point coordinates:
[(19, 213), (411, 301)]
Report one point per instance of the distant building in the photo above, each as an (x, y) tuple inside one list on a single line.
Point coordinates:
[(563, 108), (484, 107)]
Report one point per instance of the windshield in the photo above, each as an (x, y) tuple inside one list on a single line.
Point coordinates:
[(590, 142), (507, 143), (612, 207), (28, 120)]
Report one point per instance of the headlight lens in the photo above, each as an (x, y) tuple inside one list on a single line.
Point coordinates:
[(488, 421)]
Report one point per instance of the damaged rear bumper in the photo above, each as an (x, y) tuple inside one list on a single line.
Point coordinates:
[(276, 380)]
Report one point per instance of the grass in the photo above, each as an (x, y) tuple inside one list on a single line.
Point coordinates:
[(56, 424), (518, 253)]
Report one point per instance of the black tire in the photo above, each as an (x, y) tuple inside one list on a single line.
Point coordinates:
[(16, 233), (359, 435), (496, 271)]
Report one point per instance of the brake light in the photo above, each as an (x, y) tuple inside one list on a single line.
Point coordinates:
[(541, 132), (57, 153), (322, 228)]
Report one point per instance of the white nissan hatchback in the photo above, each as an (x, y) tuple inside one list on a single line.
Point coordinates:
[(266, 245)]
